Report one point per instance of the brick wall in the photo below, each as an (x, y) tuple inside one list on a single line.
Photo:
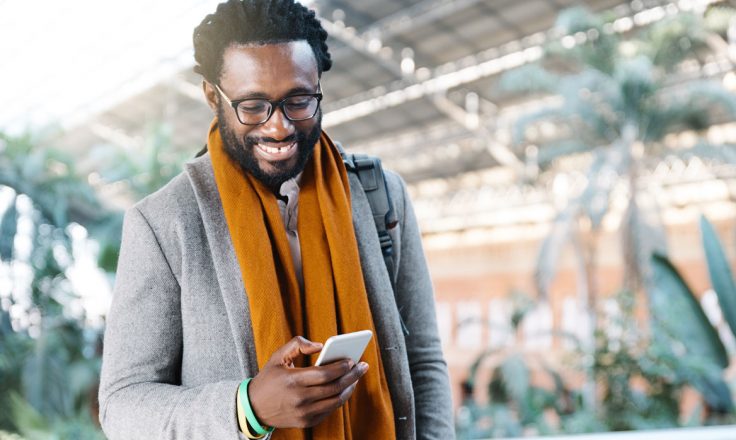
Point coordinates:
[(473, 277)]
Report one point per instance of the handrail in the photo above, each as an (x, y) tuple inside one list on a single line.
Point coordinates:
[(726, 432)]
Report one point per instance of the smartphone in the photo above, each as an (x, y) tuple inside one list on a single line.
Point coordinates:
[(345, 346)]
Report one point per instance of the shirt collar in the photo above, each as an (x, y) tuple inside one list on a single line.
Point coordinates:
[(291, 186)]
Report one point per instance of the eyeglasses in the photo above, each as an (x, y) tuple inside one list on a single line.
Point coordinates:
[(257, 111)]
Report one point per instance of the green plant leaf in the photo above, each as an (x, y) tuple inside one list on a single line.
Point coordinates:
[(677, 315), (720, 272), (636, 80), (721, 154), (27, 418), (677, 312), (516, 378), (599, 52), (529, 78), (475, 366), (675, 38), (497, 392), (694, 106), (8, 228), (715, 392)]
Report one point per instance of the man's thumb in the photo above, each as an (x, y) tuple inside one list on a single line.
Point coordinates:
[(297, 346)]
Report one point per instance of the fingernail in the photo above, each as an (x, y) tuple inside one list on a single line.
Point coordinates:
[(363, 366), (351, 364)]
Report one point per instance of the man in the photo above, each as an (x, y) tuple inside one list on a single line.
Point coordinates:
[(231, 275)]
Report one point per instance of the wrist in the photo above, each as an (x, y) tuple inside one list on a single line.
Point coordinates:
[(259, 403), (253, 424)]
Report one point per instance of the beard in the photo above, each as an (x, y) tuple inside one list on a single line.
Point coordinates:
[(242, 151)]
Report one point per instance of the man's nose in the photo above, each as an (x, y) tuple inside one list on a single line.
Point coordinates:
[(278, 125)]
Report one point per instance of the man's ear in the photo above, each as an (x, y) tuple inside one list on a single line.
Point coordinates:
[(210, 95)]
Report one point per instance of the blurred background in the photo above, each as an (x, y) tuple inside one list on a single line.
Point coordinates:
[(572, 165)]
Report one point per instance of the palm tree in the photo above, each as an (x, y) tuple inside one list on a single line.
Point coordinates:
[(47, 362), (619, 99), (49, 365)]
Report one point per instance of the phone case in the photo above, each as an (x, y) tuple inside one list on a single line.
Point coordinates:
[(345, 346)]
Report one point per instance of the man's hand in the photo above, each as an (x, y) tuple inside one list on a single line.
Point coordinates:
[(286, 397)]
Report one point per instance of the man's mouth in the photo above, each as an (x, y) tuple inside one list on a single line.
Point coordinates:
[(276, 152)]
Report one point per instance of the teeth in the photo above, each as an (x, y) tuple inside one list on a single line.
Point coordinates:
[(275, 150)]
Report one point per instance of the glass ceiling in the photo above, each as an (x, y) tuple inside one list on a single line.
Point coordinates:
[(65, 61)]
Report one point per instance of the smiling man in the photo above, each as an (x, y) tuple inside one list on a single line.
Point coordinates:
[(232, 275)]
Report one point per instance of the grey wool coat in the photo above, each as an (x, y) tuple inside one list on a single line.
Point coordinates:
[(179, 341)]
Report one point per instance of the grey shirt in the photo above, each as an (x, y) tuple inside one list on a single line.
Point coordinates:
[(289, 212)]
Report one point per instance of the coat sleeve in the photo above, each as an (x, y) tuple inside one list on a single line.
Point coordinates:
[(140, 392), (415, 299)]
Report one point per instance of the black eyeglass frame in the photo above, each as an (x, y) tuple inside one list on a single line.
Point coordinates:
[(274, 104)]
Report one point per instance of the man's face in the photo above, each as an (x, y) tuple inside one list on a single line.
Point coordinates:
[(279, 149)]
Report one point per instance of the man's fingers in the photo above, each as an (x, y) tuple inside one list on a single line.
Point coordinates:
[(314, 376), (346, 393), (328, 405), (337, 386), (294, 348)]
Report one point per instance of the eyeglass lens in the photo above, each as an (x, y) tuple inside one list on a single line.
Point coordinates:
[(296, 108)]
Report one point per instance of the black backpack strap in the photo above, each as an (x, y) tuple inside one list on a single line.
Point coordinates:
[(373, 180), (370, 174)]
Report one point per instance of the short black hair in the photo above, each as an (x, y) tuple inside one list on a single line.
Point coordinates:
[(256, 22)]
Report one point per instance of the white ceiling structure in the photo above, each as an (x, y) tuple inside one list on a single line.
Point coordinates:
[(104, 71), (412, 80)]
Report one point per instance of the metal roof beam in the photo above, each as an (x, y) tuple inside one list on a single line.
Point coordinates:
[(481, 65), (398, 93), (361, 45), (469, 119), (420, 14)]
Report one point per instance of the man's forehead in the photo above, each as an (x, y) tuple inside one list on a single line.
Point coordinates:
[(283, 58)]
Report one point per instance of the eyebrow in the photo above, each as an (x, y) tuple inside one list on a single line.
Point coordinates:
[(259, 95)]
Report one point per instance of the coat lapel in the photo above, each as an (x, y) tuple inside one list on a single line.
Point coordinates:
[(384, 310), (377, 282), (228, 275)]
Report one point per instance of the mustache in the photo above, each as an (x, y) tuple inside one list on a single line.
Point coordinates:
[(265, 140)]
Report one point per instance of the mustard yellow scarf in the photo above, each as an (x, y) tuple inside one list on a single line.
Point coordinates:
[(334, 299)]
